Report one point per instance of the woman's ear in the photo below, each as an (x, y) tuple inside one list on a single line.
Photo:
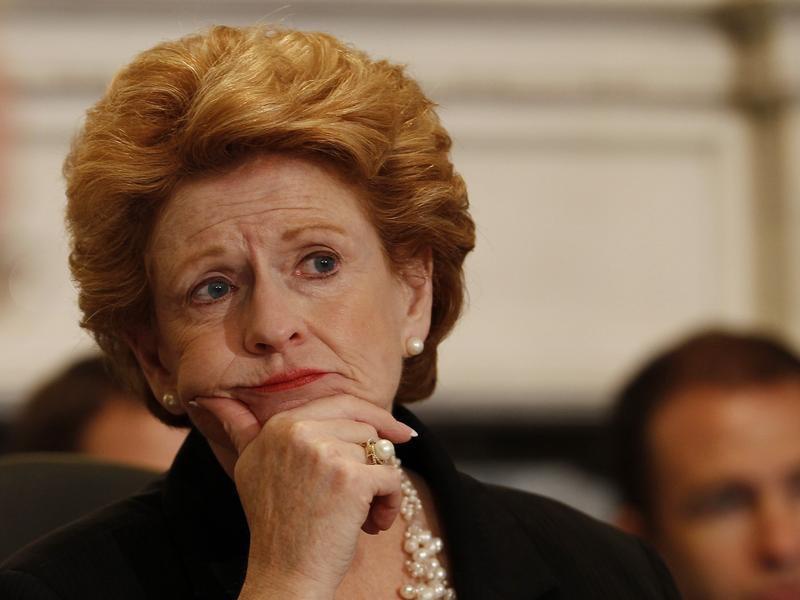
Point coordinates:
[(417, 277), (144, 345)]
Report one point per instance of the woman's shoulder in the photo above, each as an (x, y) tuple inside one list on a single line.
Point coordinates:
[(549, 519), (586, 557)]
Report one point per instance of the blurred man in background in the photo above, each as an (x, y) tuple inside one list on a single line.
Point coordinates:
[(83, 409), (709, 455)]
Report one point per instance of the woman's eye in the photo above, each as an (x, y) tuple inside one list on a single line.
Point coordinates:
[(319, 265), (211, 291)]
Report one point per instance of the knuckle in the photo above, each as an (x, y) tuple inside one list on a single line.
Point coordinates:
[(324, 451), (343, 475), (392, 476), (299, 431), (277, 424), (370, 431)]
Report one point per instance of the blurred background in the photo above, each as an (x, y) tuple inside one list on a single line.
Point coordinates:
[(632, 167)]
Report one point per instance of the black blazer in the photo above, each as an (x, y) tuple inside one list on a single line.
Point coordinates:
[(186, 537)]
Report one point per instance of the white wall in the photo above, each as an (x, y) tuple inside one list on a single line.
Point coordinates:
[(611, 173)]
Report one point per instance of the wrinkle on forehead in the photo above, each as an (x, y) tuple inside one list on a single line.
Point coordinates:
[(217, 198), (162, 242), (247, 196), (248, 215)]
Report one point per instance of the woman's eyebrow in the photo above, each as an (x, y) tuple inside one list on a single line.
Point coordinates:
[(210, 251), (288, 235), (292, 233)]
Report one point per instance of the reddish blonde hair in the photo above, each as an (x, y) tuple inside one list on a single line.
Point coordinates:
[(205, 103)]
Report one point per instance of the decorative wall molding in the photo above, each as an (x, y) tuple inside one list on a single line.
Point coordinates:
[(701, 96), (383, 7), (658, 52)]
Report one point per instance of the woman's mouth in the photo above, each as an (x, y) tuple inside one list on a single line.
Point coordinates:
[(288, 381)]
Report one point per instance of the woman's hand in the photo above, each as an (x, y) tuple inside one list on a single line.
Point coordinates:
[(307, 490)]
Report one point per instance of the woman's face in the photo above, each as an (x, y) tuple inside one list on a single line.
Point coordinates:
[(271, 288)]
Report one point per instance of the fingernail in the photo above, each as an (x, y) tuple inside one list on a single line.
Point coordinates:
[(413, 432)]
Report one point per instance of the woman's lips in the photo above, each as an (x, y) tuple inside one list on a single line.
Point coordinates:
[(288, 381)]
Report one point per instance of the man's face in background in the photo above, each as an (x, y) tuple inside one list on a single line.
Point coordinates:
[(725, 471)]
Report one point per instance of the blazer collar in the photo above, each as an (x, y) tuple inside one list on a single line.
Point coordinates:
[(491, 555)]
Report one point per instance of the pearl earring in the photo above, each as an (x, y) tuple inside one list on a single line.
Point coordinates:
[(414, 346), (170, 401)]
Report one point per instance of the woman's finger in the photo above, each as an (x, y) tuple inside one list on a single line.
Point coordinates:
[(355, 432), (238, 421), (386, 501), (336, 438), (349, 437), (355, 409)]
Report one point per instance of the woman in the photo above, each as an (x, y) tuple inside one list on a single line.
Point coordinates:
[(268, 238)]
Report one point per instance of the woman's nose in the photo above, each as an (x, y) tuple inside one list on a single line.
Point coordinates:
[(271, 320)]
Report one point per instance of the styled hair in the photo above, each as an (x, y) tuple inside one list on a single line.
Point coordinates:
[(713, 358), (206, 103)]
